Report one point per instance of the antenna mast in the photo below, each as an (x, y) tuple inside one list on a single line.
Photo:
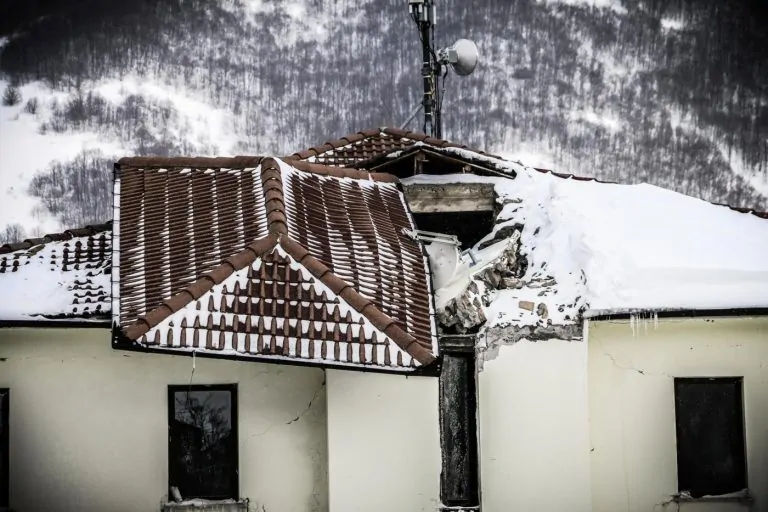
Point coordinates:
[(424, 14), (462, 56)]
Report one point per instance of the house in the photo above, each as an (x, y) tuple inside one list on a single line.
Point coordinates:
[(256, 333)]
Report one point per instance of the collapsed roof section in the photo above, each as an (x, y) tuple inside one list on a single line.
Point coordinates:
[(564, 248), (252, 258)]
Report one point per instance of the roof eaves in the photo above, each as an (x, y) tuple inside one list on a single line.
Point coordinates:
[(358, 302), (340, 172), (120, 342), (243, 162), (57, 323), (201, 286), (625, 313), (334, 144), (757, 213), (433, 141), (90, 230), (150, 162)]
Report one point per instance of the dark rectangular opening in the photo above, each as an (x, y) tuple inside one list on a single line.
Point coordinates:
[(469, 227), (4, 446), (202, 436), (709, 414)]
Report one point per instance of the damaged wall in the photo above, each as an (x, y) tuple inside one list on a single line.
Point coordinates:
[(89, 424), (383, 441), (632, 405), (534, 441)]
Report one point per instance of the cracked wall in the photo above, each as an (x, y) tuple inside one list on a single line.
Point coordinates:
[(89, 424), (631, 404)]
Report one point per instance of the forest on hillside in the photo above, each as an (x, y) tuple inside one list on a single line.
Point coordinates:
[(670, 92)]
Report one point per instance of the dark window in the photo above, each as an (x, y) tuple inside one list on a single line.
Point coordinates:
[(202, 429), (4, 458), (710, 436)]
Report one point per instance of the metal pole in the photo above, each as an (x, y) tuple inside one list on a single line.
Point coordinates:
[(427, 73), (425, 15)]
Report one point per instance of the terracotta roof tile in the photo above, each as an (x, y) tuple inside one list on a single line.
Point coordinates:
[(61, 276), (356, 149), (311, 285)]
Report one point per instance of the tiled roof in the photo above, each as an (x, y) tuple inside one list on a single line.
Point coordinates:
[(61, 276), (252, 257), (355, 149)]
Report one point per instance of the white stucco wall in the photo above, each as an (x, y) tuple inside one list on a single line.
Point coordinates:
[(534, 441), (383, 442), (89, 425), (632, 414)]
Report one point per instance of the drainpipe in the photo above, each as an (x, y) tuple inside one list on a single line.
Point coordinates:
[(459, 482)]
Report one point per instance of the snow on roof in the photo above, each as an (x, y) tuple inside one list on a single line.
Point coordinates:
[(62, 277), (595, 248)]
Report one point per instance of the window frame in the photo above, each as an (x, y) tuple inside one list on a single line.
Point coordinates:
[(5, 445), (740, 414), (232, 388)]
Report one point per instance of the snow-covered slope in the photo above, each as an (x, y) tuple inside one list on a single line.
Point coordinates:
[(24, 150), (616, 89), (32, 139)]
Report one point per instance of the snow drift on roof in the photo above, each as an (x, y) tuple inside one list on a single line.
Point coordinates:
[(598, 248)]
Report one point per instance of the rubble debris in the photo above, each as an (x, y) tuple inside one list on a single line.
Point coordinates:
[(488, 345), (463, 313)]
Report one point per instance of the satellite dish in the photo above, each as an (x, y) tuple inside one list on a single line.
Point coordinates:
[(462, 57), (444, 261)]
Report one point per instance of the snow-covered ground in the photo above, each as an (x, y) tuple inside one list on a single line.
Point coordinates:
[(596, 247)]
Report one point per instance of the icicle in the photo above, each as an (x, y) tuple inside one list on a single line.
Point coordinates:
[(645, 324), (655, 319), (193, 359), (632, 323)]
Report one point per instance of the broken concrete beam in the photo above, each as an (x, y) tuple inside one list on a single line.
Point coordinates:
[(450, 197)]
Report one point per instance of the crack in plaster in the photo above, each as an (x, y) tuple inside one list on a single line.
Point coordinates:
[(309, 405), (298, 416), (631, 368)]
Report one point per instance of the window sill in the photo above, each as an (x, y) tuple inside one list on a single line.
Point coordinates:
[(200, 505), (743, 496)]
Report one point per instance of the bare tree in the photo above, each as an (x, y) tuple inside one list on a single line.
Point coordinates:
[(31, 106), (12, 233)]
